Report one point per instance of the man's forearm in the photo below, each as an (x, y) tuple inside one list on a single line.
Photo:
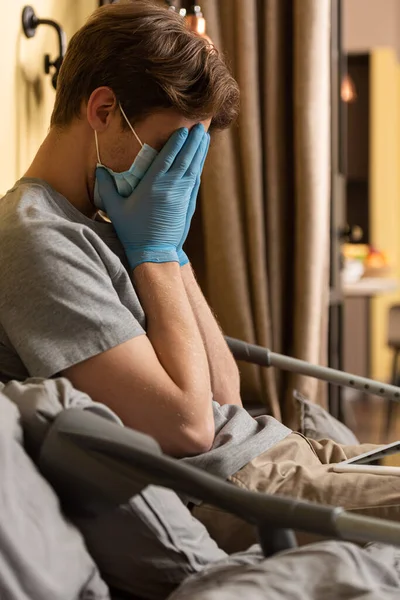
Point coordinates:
[(174, 334), (224, 374)]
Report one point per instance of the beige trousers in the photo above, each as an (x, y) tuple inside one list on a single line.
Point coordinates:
[(302, 468)]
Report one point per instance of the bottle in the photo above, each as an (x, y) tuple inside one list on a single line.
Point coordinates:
[(196, 22)]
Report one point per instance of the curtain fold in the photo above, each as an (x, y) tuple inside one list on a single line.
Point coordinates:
[(260, 239), (312, 182)]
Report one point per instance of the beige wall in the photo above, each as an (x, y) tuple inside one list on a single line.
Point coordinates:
[(369, 24), (384, 192), (26, 97)]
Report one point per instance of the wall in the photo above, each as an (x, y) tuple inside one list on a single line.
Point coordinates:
[(369, 24), (27, 97), (384, 198), (374, 26)]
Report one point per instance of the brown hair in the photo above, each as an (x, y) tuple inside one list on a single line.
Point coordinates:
[(149, 58)]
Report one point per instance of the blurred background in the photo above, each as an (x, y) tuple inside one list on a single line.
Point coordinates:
[(295, 241)]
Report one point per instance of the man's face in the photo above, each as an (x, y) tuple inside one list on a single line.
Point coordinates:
[(118, 147)]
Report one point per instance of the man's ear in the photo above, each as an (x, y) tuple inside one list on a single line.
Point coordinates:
[(101, 108)]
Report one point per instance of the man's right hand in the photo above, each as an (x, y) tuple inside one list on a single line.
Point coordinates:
[(150, 223)]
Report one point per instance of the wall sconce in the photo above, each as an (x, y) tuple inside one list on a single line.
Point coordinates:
[(30, 23)]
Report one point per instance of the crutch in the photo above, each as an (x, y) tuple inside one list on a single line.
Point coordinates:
[(265, 358), (95, 465)]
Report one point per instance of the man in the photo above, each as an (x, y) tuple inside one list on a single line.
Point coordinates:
[(116, 308)]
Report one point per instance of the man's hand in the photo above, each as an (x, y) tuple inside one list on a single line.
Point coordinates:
[(183, 259), (151, 222)]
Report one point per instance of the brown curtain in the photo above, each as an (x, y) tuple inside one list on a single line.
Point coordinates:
[(259, 242)]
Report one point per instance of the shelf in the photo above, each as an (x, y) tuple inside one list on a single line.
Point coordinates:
[(357, 180), (371, 286)]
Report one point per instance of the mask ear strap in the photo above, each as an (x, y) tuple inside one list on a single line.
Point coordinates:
[(97, 147), (131, 128)]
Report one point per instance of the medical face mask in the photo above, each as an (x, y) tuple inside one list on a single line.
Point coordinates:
[(127, 181)]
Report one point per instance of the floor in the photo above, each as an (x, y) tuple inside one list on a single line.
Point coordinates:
[(366, 416)]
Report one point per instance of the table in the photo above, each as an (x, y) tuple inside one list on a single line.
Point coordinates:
[(371, 286), (356, 337)]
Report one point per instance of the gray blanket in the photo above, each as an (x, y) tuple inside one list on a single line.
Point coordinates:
[(324, 571), (42, 556), (146, 547), (151, 545)]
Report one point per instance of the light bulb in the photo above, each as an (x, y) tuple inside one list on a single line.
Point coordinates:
[(348, 90)]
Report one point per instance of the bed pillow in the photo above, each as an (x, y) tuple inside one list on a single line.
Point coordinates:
[(317, 424), (42, 555)]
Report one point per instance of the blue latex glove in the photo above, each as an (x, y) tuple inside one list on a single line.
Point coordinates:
[(150, 223), (183, 259)]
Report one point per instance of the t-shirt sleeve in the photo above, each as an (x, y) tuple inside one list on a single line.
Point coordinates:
[(58, 304)]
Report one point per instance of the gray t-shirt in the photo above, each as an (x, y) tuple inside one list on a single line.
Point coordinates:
[(66, 296)]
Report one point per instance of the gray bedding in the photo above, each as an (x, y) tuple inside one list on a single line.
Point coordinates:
[(146, 547), (324, 571), (43, 556)]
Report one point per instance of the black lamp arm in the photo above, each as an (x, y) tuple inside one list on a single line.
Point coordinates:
[(30, 23)]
